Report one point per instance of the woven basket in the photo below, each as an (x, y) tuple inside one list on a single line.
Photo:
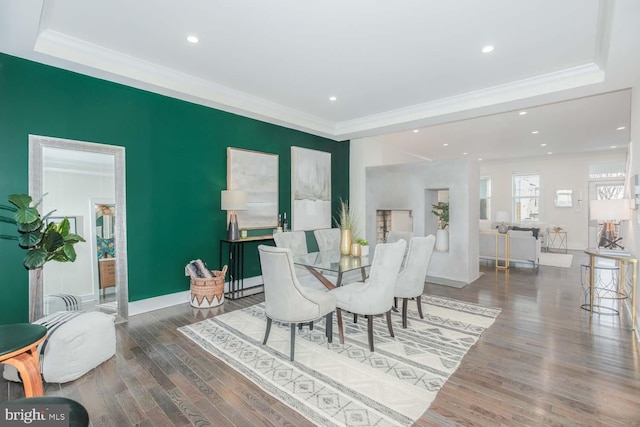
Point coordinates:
[(209, 291)]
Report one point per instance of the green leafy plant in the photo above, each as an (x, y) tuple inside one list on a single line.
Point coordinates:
[(362, 242), (441, 210), (43, 243)]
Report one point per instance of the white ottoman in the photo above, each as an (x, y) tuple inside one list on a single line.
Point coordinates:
[(77, 342)]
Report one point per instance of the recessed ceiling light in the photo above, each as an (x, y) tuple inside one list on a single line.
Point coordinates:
[(445, 145), (535, 132), (487, 49), (192, 39), (416, 130), (522, 113), (613, 146), (543, 145), (621, 128), (549, 152), (479, 160), (332, 98), (465, 153)]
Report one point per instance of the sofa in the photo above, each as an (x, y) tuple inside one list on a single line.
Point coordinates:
[(525, 245)]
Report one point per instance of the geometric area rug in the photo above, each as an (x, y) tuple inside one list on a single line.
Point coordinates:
[(347, 385)]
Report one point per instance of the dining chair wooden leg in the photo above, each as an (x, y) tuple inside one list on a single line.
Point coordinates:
[(340, 330), (311, 325), (405, 302), (329, 327), (370, 331), (266, 334), (419, 301), (300, 326), (355, 318), (389, 325), (293, 340)]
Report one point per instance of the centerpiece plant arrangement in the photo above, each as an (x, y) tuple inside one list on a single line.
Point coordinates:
[(441, 211), (346, 223), (43, 242)]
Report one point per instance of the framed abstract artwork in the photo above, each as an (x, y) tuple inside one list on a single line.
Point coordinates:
[(310, 189), (255, 173)]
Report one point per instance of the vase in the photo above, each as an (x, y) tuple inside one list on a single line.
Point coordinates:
[(345, 242), (442, 240), (356, 249), (364, 250)]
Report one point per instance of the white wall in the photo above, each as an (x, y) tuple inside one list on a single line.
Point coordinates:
[(414, 187), (556, 172)]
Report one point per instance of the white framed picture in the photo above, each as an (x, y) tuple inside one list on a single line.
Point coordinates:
[(256, 173), (310, 189)]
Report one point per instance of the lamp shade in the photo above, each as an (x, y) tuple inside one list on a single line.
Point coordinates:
[(503, 216), (233, 200), (610, 210)]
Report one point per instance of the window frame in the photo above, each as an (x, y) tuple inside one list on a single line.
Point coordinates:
[(517, 198)]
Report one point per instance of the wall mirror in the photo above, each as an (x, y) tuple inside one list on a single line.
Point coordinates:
[(84, 181)]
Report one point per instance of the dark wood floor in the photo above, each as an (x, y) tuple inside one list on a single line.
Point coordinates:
[(544, 362)]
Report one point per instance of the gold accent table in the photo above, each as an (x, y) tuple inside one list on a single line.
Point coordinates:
[(623, 260), (506, 249)]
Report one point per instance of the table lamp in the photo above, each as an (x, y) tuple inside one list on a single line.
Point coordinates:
[(502, 217), (610, 211), (232, 201)]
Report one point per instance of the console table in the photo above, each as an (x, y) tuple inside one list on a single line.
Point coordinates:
[(507, 249), (236, 266), (623, 261)]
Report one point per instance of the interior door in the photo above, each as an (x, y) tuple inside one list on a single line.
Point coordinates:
[(602, 190)]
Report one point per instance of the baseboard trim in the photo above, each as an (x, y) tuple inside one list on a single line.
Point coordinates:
[(177, 298)]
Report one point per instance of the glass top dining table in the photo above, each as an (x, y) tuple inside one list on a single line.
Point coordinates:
[(332, 262)]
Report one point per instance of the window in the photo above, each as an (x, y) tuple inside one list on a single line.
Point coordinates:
[(526, 197), (485, 198)]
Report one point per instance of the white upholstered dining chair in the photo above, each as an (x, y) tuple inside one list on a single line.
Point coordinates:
[(296, 241), (327, 238), (286, 300), (375, 296), (410, 283)]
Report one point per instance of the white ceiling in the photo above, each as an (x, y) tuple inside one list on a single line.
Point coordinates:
[(393, 66)]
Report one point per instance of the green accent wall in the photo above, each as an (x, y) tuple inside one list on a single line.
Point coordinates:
[(176, 166)]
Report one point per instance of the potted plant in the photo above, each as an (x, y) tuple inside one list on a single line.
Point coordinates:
[(345, 222), (364, 246), (441, 211), (43, 242)]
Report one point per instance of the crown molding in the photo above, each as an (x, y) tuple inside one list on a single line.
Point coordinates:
[(158, 79), (526, 88), (97, 61)]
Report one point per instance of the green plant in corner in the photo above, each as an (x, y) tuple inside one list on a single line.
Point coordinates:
[(362, 242), (43, 243), (441, 210)]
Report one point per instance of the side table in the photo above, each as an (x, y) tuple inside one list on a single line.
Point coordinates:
[(236, 266), (557, 241), (623, 262), (19, 348)]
